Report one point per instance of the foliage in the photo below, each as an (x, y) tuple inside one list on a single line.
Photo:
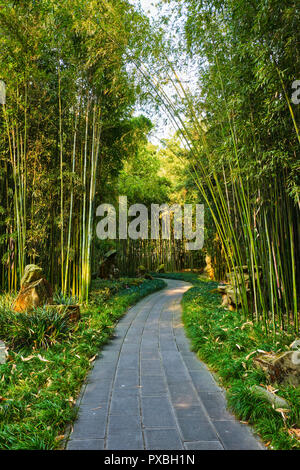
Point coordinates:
[(39, 386), (227, 343), (66, 128), (241, 133)]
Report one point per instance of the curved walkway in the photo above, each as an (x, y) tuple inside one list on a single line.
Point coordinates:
[(147, 390)]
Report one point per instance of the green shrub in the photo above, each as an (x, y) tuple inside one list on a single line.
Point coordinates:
[(60, 299), (37, 329)]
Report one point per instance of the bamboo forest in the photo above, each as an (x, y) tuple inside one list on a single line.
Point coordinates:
[(149, 226)]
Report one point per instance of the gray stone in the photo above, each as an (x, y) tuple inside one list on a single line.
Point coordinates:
[(204, 381), (96, 393), (125, 402), (192, 362), (2, 352), (125, 441), (153, 385), (215, 405), (157, 412), (163, 439), (275, 400), (204, 445), (193, 429), (236, 436), (184, 413), (148, 390), (151, 367), (183, 394), (124, 423), (85, 444), (295, 344), (91, 424)]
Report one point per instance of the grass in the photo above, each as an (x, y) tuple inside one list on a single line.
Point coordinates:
[(49, 360), (224, 340)]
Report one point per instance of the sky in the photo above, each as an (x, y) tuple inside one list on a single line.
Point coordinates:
[(163, 126)]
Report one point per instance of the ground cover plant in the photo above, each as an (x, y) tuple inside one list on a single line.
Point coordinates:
[(227, 343), (50, 358)]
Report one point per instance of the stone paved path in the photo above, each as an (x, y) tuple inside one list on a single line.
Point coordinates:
[(147, 390)]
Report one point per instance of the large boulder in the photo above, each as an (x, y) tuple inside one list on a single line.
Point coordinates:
[(209, 269), (161, 268), (35, 290), (31, 274), (275, 400), (283, 368), (107, 265)]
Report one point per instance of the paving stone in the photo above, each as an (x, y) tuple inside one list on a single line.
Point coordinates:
[(236, 436), (110, 355), (157, 412), (183, 394), (203, 445), (132, 340), (215, 404), (179, 376), (130, 348), (183, 346), (184, 412), (204, 382), (175, 402), (125, 441), (148, 349), (127, 377), (149, 344), (192, 362), (125, 403), (151, 367), (119, 423), (168, 346), (91, 424), (172, 359), (96, 392), (128, 361), (103, 370), (153, 385), (193, 429), (134, 332), (86, 444), (154, 355), (163, 439)]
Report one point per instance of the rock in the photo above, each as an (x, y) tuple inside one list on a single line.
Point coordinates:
[(277, 402), (107, 267), (283, 368), (142, 270), (222, 288), (161, 268), (2, 352), (209, 269), (148, 276), (72, 311), (33, 295), (295, 344), (31, 274)]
